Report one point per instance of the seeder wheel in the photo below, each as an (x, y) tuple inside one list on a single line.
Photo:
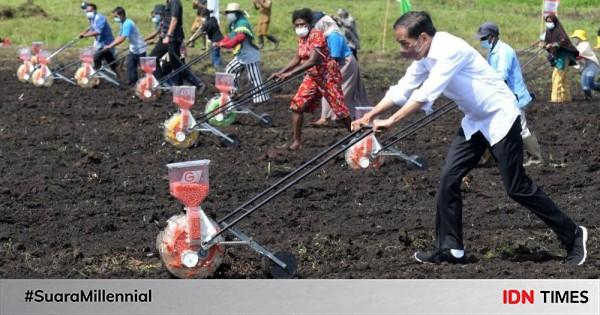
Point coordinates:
[(24, 72), (265, 121), (359, 156), (173, 132), (42, 77), (274, 270), (222, 119), (146, 89), (172, 245), (84, 78), (234, 143)]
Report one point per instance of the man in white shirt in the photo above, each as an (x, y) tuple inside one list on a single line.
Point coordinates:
[(447, 64)]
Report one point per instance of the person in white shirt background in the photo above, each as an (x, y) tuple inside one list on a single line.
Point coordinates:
[(504, 60), (444, 63)]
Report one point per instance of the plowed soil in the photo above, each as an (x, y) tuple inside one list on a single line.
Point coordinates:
[(84, 191)]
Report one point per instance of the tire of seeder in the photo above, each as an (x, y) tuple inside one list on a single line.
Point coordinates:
[(172, 126), (48, 81), (212, 105), (92, 82), (21, 72), (169, 242)]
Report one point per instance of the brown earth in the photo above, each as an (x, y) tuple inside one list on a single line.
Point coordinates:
[(83, 191)]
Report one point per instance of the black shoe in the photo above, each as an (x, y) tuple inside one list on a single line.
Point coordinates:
[(577, 254), (439, 256)]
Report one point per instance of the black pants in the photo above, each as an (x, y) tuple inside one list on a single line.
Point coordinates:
[(106, 55), (463, 156), (173, 49), (133, 63)]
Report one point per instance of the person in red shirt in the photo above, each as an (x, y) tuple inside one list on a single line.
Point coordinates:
[(4, 42), (322, 79)]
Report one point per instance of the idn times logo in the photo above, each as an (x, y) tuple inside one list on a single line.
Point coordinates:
[(515, 296)]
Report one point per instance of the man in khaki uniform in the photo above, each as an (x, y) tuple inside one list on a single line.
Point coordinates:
[(264, 8), (199, 6)]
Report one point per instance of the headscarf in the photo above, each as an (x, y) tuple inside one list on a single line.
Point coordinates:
[(327, 25), (559, 35)]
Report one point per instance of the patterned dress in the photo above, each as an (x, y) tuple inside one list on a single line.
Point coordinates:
[(321, 80)]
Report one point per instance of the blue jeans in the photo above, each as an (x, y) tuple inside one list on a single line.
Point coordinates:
[(215, 55), (133, 63), (588, 77)]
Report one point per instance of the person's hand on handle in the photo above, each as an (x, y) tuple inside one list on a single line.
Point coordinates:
[(283, 76), (362, 122), (380, 125), (275, 76)]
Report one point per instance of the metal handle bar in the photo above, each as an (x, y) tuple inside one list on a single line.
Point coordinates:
[(358, 136)]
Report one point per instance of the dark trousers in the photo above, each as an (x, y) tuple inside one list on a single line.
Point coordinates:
[(462, 157), (104, 55), (133, 63), (173, 49)]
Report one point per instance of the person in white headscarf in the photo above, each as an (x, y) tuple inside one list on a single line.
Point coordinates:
[(349, 29), (353, 88)]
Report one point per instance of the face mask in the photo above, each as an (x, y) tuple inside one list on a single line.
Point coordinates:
[(117, 20), (485, 44), (549, 25), (156, 19), (90, 15), (412, 52), (302, 31), (575, 41), (231, 17)]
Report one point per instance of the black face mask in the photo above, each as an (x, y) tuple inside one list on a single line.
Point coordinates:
[(413, 51)]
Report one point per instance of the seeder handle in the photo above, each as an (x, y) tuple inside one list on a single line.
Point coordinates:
[(184, 67), (358, 136), (413, 127), (65, 46), (266, 87)]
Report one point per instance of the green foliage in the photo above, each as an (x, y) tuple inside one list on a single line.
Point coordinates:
[(519, 20)]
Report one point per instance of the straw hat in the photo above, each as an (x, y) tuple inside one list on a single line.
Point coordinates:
[(233, 7), (581, 34)]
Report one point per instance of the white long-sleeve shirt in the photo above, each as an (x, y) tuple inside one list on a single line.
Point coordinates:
[(457, 70)]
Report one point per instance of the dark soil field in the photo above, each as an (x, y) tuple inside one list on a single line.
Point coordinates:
[(84, 190)]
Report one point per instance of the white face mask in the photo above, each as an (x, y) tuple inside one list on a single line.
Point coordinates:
[(231, 17), (90, 15), (302, 31), (549, 25), (156, 19)]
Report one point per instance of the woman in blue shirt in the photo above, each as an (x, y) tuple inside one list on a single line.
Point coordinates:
[(354, 90)]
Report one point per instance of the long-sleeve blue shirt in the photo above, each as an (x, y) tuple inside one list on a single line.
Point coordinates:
[(504, 60)]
